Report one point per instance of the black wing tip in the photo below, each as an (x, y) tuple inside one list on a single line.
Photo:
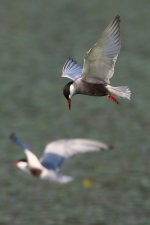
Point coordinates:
[(68, 60), (12, 136), (71, 59), (66, 63), (110, 147), (117, 18), (107, 147), (115, 24)]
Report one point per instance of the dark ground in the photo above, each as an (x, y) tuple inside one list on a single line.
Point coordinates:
[(36, 38)]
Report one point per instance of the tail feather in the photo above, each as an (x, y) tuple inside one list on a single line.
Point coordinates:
[(121, 91), (63, 179)]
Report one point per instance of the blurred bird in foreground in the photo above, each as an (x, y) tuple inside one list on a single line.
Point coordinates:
[(47, 167), (98, 68)]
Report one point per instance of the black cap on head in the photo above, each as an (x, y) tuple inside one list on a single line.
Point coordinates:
[(22, 160), (66, 90), (17, 161)]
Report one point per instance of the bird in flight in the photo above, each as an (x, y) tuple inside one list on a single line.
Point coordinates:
[(98, 68), (48, 166)]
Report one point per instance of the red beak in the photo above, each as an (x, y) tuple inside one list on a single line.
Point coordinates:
[(69, 104), (14, 164)]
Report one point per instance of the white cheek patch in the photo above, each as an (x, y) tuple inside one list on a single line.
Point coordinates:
[(72, 90)]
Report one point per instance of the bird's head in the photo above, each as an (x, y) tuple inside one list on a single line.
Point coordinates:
[(21, 164), (68, 92)]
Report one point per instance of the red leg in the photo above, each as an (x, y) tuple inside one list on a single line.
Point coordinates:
[(113, 99)]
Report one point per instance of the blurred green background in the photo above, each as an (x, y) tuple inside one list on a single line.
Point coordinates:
[(36, 38)]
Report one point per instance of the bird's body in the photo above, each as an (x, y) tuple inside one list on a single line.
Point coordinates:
[(48, 166), (92, 87), (98, 68)]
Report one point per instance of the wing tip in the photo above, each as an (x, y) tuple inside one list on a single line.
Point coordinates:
[(107, 147), (68, 61), (115, 27), (12, 136), (116, 21), (117, 18), (71, 69), (110, 147)]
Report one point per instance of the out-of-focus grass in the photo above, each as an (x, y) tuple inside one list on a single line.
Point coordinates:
[(36, 38)]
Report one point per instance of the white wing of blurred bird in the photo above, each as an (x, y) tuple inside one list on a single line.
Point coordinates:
[(54, 155)]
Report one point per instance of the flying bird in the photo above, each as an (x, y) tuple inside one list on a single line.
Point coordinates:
[(98, 68), (48, 166)]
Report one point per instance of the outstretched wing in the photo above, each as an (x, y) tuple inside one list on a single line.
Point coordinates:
[(15, 139), (56, 152), (100, 60), (71, 69)]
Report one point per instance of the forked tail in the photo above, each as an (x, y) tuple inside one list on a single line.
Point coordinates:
[(121, 91), (63, 179)]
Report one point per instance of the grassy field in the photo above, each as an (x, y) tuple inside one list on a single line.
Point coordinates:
[(36, 38)]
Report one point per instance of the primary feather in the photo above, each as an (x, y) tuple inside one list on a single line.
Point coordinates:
[(71, 69), (57, 151), (101, 58)]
